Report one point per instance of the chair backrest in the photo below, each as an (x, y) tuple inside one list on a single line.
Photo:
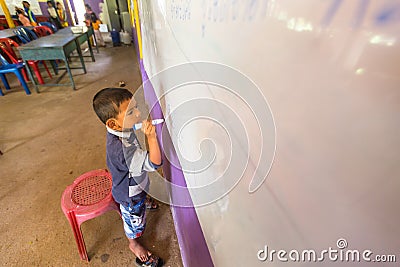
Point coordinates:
[(8, 54), (42, 31), (48, 24), (3, 61), (21, 36), (9, 45), (29, 33)]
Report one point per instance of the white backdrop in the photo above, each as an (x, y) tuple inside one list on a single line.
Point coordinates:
[(330, 72)]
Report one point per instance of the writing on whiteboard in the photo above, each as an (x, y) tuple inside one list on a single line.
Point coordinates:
[(386, 14), (180, 9), (380, 13)]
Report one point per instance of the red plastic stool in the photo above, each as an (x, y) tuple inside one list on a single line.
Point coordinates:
[(88, 197)]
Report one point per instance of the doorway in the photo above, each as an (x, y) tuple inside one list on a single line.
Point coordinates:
[(117, 10), (80, 11)]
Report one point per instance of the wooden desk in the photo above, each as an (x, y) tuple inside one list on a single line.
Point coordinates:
[(52, 47), (80, 38)]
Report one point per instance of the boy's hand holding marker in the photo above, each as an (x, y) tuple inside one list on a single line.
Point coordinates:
[(147, 127), (149, 130)]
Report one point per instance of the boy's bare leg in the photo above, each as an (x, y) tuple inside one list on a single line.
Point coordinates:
[(137, 249)]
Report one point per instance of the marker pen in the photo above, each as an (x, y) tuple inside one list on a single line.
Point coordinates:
[(137, 126)]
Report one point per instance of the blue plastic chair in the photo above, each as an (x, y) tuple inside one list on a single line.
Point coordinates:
[(25, 35), (21, 36), (14, 68), (30, 33), (48, 24)]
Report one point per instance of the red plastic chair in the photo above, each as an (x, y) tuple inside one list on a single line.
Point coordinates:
[(42, 31), (7, 45), (88, 197)]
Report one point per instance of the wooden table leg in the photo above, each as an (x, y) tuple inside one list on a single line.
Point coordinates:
[(31, 77), (54, 65), (69, 72), (78, 47), (95, 40), (90, 47)]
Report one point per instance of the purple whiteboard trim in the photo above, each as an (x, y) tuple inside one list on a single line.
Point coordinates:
[(194, 250)]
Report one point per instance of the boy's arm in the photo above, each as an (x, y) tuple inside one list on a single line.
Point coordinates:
[(154, 149)]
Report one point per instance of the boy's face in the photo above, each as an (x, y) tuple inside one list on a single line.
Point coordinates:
[(129, 114)]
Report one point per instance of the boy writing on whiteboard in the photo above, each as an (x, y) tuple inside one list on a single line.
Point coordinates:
[(129, 164)]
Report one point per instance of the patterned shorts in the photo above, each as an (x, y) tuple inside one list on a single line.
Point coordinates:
[(134, 218)]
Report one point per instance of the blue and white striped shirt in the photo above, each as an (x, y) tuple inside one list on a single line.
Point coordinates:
[(128, 165)]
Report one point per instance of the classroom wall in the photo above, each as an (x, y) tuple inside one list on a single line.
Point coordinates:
[(43, 9), (39, 8), (11, 4), (94, 4), (308, 88)]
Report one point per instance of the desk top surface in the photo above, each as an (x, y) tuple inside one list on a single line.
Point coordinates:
[(68, 31), (7, 33), (65, 31), (51, 41)]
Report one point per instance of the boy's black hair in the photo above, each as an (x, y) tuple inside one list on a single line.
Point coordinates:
[(26, 2), (107, 101)]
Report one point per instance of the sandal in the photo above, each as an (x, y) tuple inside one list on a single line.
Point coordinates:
[(151, 204), (153, 261)]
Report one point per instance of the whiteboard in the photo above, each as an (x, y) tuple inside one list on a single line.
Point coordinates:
[(329, 72), (11, 4)]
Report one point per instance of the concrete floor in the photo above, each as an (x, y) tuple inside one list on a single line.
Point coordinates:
[(48, 140)]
